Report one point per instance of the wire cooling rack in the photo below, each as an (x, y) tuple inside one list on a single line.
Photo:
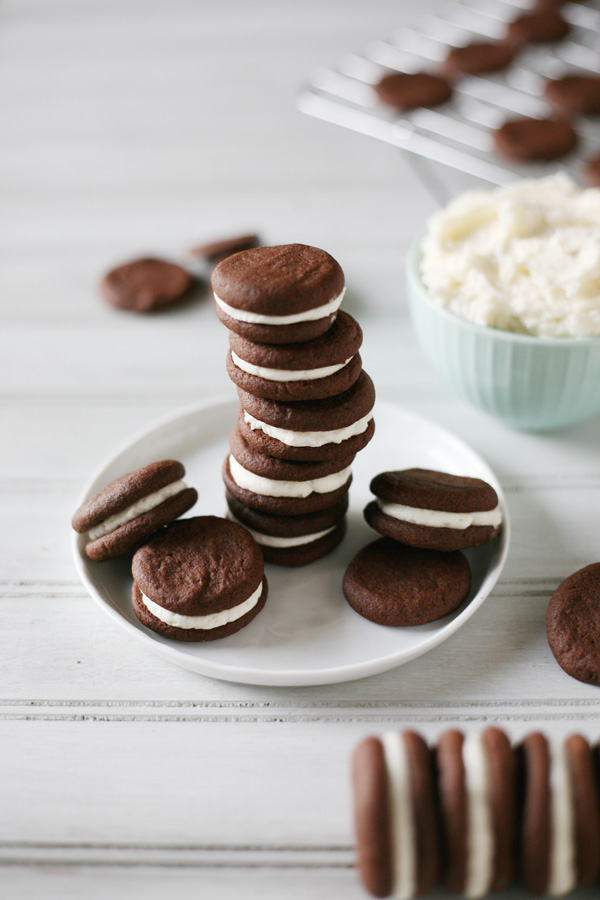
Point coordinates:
[(459, 133)]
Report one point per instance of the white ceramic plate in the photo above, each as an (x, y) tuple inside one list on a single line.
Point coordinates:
[(306, 634)]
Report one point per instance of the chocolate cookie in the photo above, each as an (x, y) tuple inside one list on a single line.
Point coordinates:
[(217, 251), (535, 139), (477, 58), (573, 624), (292, 540), (434, 510), (560, 830), (310, 430), (199, 579), (392, 584), (477, 793), (395, 815), (546, 26), (145, 285), (408, 91), (592, 171), (278, 295), (323, 367), (575, 93), (283, 487), (131, 508)]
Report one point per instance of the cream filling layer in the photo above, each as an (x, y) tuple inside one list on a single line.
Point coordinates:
[(269, 487), (287, 374), (203, 623), (269, 540), (309, 438), (435, 518), (151, 501), (404, 847), (480, 832), (563, 873), (309, 315)]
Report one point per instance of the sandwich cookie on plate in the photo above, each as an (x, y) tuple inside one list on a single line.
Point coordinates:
[(323, 367), (278, 295), (477, 777), (309, 430), (280, 486), (293, 540), (131, 508), (199, 579), (395, 815), (434, 510)]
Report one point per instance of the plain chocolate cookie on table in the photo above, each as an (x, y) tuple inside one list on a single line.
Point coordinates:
[(575, 93), (278, 295), (573, 624), (434, 510), (540, 27), (310, 430), (145, 285), (406, 91), (199, 579), (131, 508), (527, 140), (216, 251), (478, 57), (312, 370)]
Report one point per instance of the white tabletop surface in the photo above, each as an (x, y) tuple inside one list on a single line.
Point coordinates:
[(141, 126)]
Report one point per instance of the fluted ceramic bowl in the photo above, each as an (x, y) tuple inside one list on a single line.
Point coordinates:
[(530, 382)]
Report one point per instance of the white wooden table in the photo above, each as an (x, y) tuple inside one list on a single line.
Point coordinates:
[(134, 126)]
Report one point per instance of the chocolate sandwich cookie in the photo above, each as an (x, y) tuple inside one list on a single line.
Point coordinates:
[(434, 510), (575, 93), (395, 815), (323, 367), (145, 285), (573, 624), (560, 824), (544, 26), (292, 540), (477, 58), (392, 584), (310, 430), (216, 251), (278, 295), (408, 91), (477, 782), (131, 508), (527, 140), (280, 486)]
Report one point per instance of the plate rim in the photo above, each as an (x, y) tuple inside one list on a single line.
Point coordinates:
[(288, 677)]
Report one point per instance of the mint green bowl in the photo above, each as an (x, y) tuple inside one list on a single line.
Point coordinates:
[(529, 382)]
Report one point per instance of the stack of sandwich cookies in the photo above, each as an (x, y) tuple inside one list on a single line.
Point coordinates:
[(131, 508), (199, 579), (306, 405)]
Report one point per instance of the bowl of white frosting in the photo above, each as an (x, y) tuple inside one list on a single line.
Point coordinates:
[(504, 294)]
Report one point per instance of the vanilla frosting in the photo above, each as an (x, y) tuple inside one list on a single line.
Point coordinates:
[(287, 374), (309, 315), (563, 873), (402, 825), (269, 540), (204, 623), (136, 509), (437, 518), (522, 258), (480, 832), (309, 438), (270, 487)]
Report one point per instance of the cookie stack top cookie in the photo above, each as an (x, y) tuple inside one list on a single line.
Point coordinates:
[(306, 405)]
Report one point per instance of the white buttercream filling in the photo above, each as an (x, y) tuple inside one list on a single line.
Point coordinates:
[(136, 509), (269, 540), (204, 623), (563, 873), (287, 374), (404, 848), (310, 315), (269, 487), (436, 518), (480, 832), (309, 438)]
